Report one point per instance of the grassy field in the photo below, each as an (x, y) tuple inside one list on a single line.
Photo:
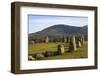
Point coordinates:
[(42, 47)]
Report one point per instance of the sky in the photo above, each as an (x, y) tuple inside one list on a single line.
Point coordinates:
[(39, 22)]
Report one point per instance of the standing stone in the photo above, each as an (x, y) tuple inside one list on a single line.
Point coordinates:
[(79, 44), (47, 39), (32, 42), (68, 39), (65, 40), (82, 39), (72, 44), (60, 49)]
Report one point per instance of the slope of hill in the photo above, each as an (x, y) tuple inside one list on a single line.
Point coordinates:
[(58, 31)]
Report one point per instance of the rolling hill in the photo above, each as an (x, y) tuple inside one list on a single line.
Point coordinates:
[(59, 31)]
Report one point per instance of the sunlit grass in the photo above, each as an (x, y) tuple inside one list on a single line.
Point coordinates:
[(41, 47), (81, 52)]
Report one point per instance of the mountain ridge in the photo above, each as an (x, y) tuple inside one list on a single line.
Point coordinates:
[(59, 30)]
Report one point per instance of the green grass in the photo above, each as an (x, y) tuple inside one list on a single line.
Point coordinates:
[(41, 47), (79, 53)]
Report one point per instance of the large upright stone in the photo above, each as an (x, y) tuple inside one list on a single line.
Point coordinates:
[(46, 39), (72, 44), (68, 39), (65, 40), (60, 49), (79, 44), (32, 42), (82, 39)]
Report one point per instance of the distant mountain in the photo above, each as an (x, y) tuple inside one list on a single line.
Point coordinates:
[(59, 31)]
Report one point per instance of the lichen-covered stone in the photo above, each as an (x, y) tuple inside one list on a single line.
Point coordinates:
[(60, 49), (72, 44)]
